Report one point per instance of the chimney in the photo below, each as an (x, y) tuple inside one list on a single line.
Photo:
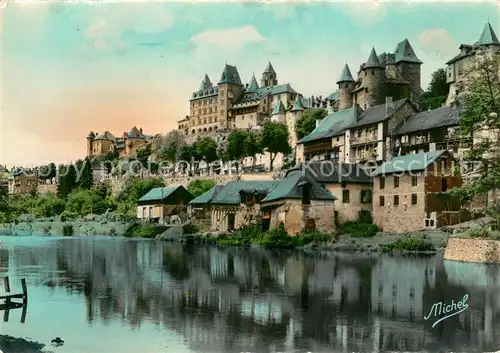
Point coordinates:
[(140, 130), (125, 135), (246, 86), (389, 106)]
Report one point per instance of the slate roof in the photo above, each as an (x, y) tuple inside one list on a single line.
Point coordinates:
[(333, 96), (135, 133), (409, 163), (298, 105), (157, 193), (205, 83), (229, 194), (440, 117), (405, 53), (345, 75), (266, 91), (333, 124), (488, 36), (230, 75), (269, 69), (331, 173), (377, 114), (290, 188), (106, 136), (253, 86), (372, 61), (279, 108)]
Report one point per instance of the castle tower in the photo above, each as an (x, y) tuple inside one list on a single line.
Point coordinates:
[(230, 89), (409, 65), (278, 114), (90, 143), (269, 77), (488, 36), (296, 113), (373, 75), (346, 85)]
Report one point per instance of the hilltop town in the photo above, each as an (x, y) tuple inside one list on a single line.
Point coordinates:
[(377, 150)]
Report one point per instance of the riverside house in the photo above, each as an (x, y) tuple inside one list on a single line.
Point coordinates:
[(350, 183), (162, 202), (296, 201), (300, 203), (22, 182), (409, 193)]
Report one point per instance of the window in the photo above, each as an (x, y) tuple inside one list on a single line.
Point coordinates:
[(366, 89), (381, 201), (396, 182), (444, 185), (373, 72), (414, 181), (306, 194), (345, 196), (366, 196), (382, 182), (396, 200), (413, 199)]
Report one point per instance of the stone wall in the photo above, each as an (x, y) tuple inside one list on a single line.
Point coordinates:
[(472, 250), (41, 228), (349, 211)]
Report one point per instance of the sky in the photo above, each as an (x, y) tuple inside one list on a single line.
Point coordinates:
[(70, 68)]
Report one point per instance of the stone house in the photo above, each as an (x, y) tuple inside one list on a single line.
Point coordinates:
[(458, 65), (369, 139), (409, 192), (300, 203), (230, 206), (99, 144), (327, 140), (22, 182), (162, 202), (350, 183)]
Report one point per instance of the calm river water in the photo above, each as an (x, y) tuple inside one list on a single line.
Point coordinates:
[(107, 295)]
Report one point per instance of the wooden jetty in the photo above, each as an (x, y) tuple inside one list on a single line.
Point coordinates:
[(8, 304)]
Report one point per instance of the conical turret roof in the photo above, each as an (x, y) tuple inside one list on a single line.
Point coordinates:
[(269, 69), (230, 75), (205, 83), (279, 108), (345, 75), (488, 36), (253, 86), (297, 105), (405, 53), (372, 61)]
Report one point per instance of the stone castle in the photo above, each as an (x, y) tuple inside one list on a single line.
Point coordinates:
[(99, 144)]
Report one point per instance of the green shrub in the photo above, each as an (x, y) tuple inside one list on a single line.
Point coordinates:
[(67, 230), (276, 237), (360, 229), (479, 232), (311, 237), (190, 228), (144, 230), (408, 244)]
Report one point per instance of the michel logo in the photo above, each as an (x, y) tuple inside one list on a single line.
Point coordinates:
[(450, 310)]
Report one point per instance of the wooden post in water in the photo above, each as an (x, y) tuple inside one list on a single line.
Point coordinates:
[(25, 291), (6, 284)]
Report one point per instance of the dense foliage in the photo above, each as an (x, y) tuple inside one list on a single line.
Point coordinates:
[(200, 186), (307, 123), (360, 229), (436, 93), (408, 244)]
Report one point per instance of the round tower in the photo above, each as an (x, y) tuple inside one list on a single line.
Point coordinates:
[(90, 142), (346, 86), (373, 75), (409, 65)]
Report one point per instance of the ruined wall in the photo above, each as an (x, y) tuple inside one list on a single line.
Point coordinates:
[(472, 250)]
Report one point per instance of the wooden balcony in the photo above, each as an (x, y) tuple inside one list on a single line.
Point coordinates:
[(364, 140), (319, 147)]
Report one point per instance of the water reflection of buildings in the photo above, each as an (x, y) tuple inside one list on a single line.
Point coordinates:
[(227, 300)]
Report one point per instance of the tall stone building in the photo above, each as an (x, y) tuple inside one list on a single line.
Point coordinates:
[(395, 75), (99, 144), (230, 104), (458, 65)]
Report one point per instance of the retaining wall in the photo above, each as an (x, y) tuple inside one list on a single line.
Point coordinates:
[(472, 250)]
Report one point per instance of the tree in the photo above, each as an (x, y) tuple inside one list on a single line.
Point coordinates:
[(67, 180), (143, 153), (171, 146), (252, 146), (84, 176), (235, 150), (479, 95), (274, 139), (47, 172), (200, 186), (437, 91), (307, 123), (205, 148)]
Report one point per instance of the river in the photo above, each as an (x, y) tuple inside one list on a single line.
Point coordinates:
[(107, 295)]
